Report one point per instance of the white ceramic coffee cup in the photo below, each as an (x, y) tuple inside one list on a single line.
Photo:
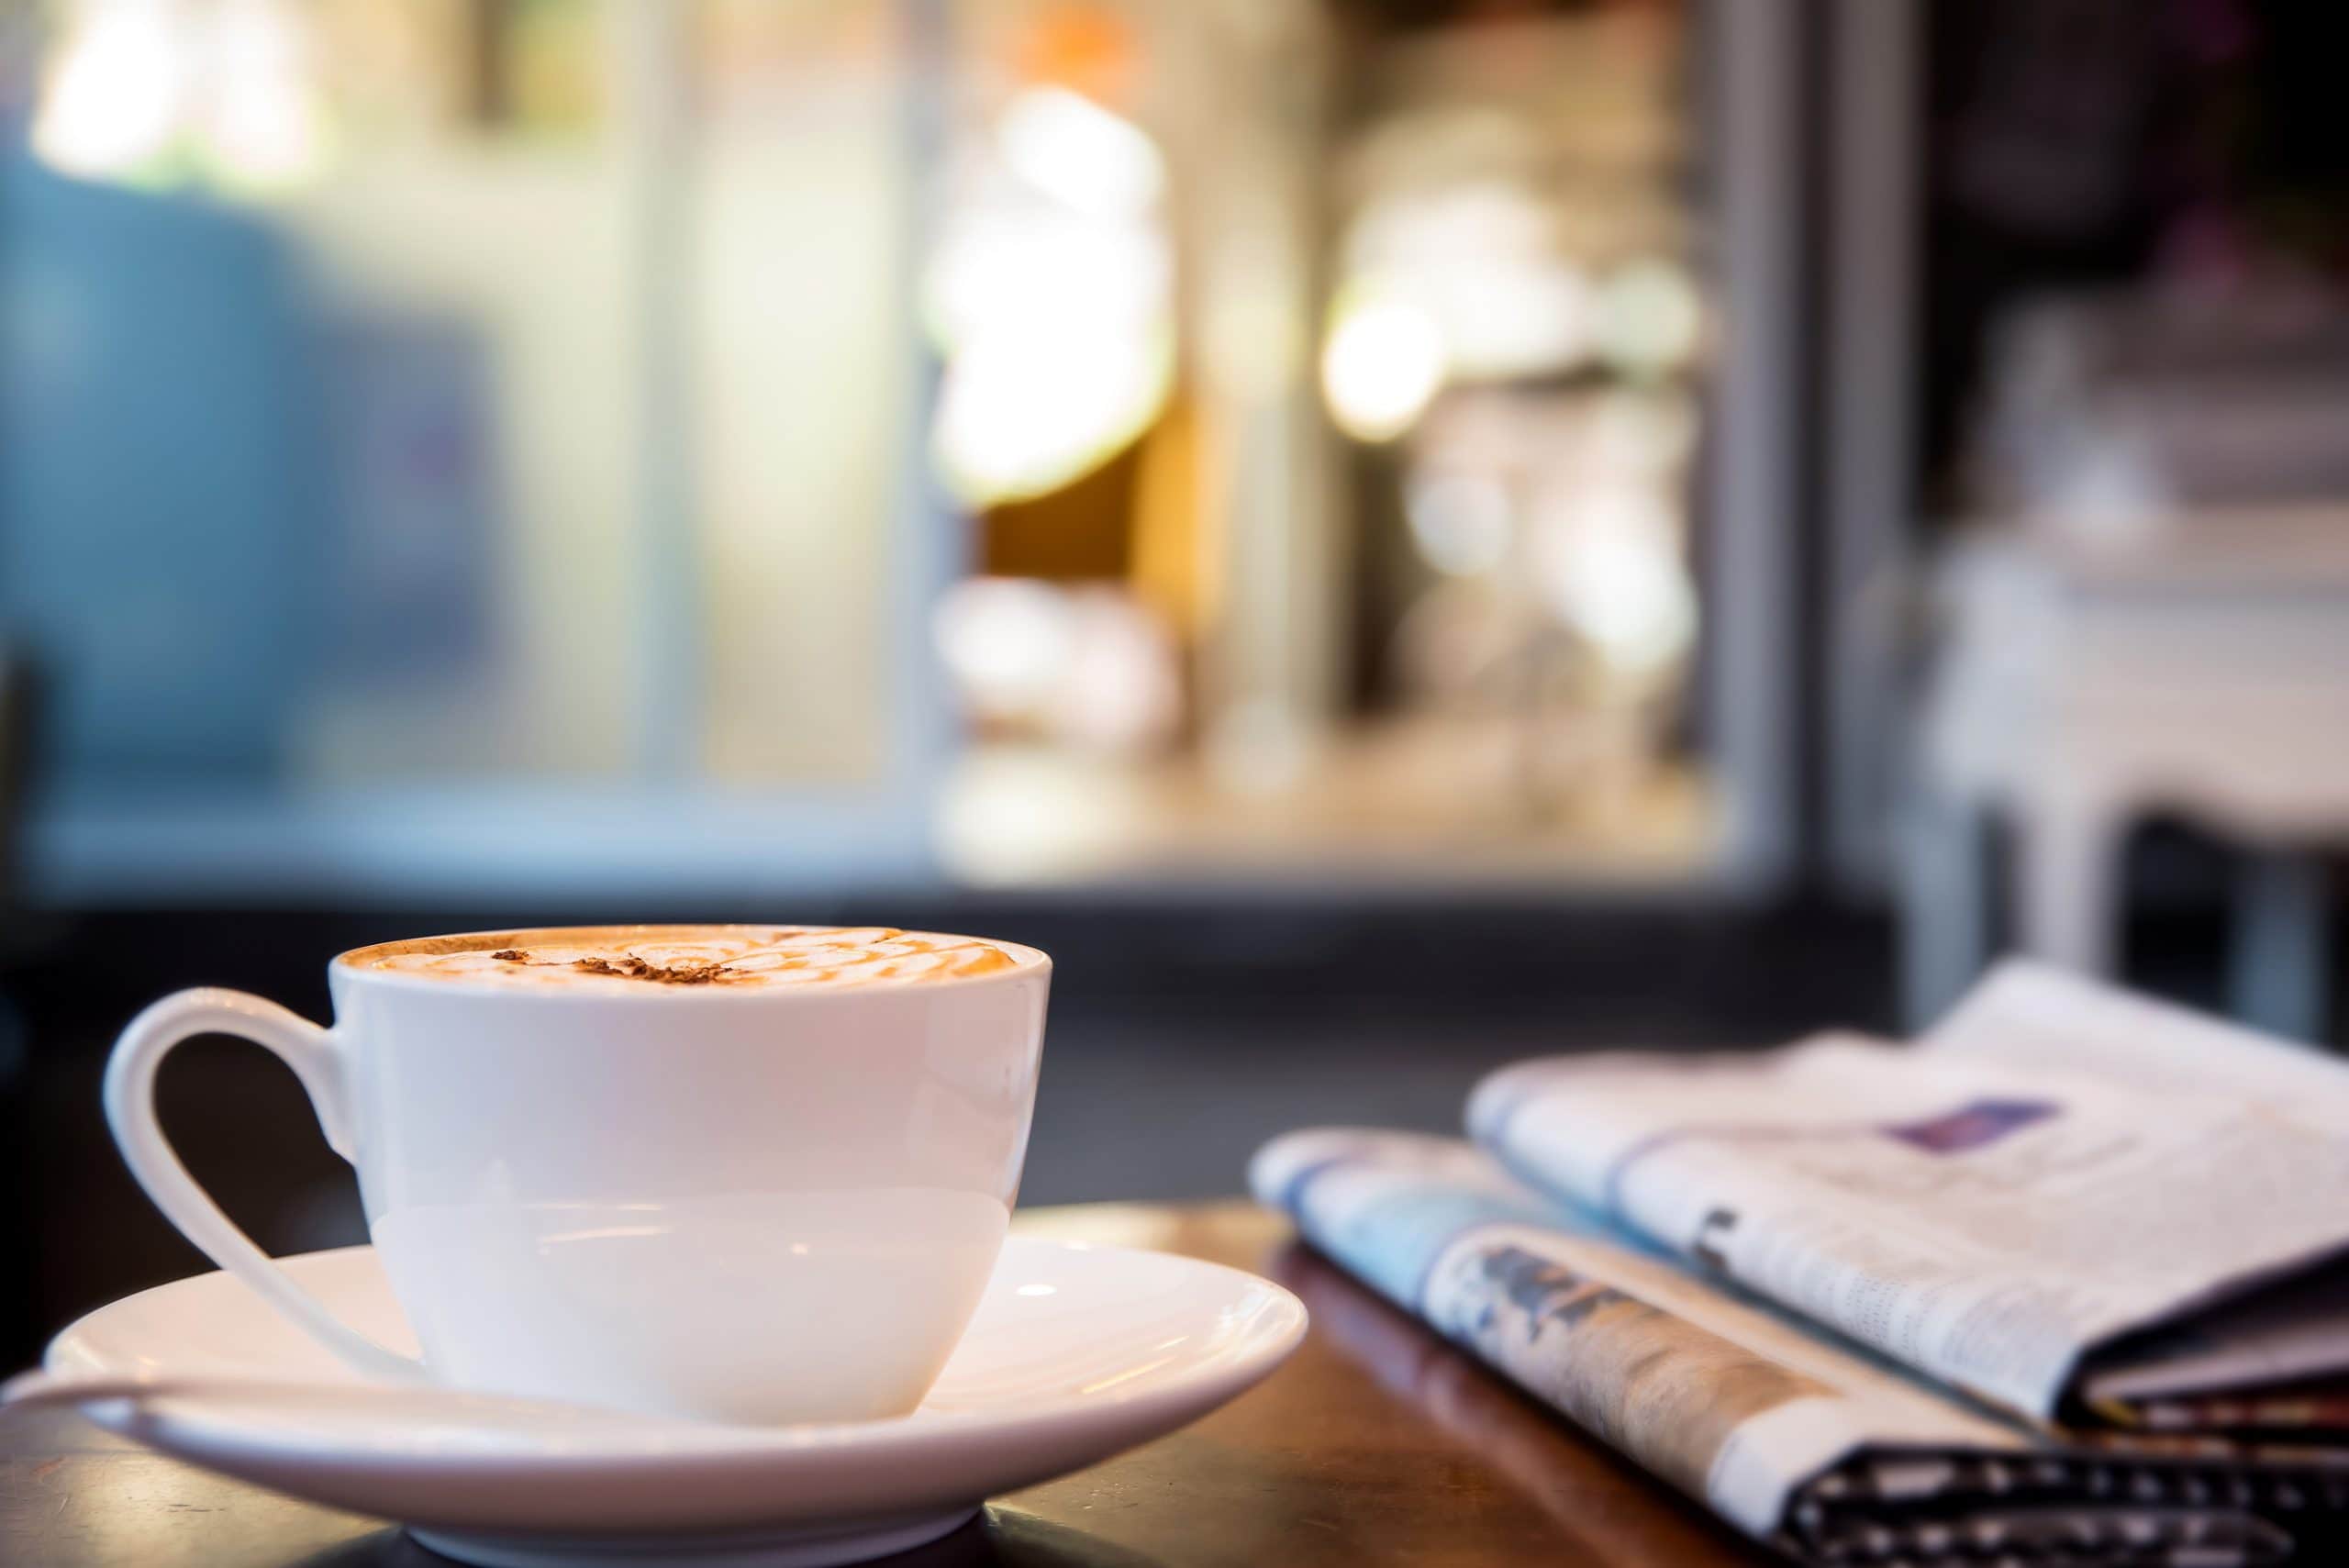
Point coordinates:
[(744, 1204)]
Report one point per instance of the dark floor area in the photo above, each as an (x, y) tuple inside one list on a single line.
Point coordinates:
[(1181, 1037)]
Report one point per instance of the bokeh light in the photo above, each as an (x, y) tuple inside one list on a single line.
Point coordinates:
[(114, 99), (1080, 154), (1608, 565), (1051, 295), (1459, 522), (1084, 665), (149, 90), (1649, 318), (1004, 641), (1481, 258), (1381, 366)]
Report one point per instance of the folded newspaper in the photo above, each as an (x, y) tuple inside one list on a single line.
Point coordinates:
[(2056, 1284)]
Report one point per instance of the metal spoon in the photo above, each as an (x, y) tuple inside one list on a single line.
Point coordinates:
[(421, 1403)]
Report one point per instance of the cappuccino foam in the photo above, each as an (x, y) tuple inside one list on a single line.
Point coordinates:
[(725, 957)]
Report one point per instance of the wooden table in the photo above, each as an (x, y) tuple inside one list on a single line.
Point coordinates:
[(1374, 1444)]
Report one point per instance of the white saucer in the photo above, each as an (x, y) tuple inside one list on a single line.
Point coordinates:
[(1076, 1354)]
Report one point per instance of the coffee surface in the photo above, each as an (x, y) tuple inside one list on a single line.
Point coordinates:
[(729, 957)]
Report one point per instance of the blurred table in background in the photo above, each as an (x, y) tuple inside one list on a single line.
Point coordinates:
[(1376, 1443), (2194, 669)]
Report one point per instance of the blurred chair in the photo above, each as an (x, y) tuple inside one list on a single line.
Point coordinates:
[(2202, 671)]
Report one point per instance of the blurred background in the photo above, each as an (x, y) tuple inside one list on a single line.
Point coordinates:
[(1390, 535)]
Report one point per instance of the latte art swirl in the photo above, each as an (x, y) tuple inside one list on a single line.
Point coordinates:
[(717, 956)]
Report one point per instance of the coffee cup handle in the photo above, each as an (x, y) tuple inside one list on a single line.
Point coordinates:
[(319, 1061)]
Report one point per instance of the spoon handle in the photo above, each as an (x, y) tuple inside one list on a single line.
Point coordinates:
[(37, 1389), (40, 1388)]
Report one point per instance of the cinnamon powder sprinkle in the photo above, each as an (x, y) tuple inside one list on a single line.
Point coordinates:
[(630, 967)]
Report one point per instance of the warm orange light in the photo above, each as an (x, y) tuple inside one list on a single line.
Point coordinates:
[(1084, 47)]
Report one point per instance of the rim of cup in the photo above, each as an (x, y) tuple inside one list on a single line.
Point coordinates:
[(353, 964)]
